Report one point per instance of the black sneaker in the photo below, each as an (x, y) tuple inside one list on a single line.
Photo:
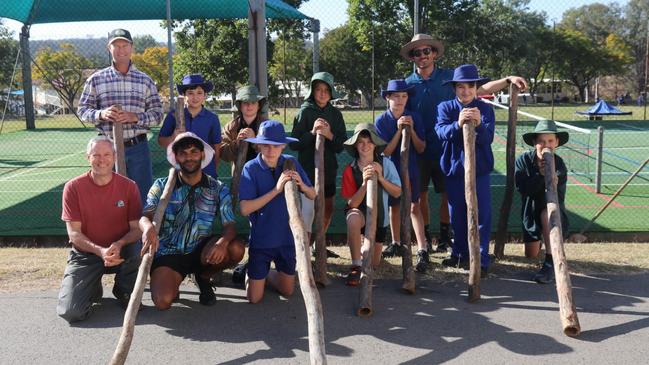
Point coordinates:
[(330, 254), (422, 261), (239, 273), (392, 250), (207, 296), (484, 272), (444, 244), (122, 297), (456, 262), (545, 275)]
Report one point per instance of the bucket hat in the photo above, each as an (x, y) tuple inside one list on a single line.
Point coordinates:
[(193, 80), (328, 79), (395, 86), (271, 132), (422, 40), (248, 93), (545, 126), (350, 143), (467, 73), (209, 151)]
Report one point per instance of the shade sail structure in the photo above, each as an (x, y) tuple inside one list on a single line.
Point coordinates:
[(57, 11), (603, 108)]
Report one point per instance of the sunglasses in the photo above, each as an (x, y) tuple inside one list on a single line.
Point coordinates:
[(419, 52)]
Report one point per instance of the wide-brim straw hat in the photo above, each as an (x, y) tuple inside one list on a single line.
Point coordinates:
[(543, 127), (350, 143), (209, 151), (422, 40)]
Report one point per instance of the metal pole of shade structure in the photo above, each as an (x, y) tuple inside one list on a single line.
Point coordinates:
[(372, 95), (28, 95), (415, 25), (170, 56), (598, 166), (314, 27), (552, 82), (646, 74)]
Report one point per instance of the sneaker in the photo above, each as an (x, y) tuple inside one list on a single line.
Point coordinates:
[(444, 244), (484, 272), (122, 297), (207, 296), (330, 254), (239, 273), (456, 262), (545, 275), (422, 261), (392, 250), (354, 276)]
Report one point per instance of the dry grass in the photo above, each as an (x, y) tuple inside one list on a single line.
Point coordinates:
[(33, 269)]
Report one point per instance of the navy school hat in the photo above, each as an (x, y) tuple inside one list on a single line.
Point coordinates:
[(395, 86), (467, 73), (194, 80), (271, 132)]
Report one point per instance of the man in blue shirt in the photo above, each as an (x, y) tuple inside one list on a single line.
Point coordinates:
[(430, 91), (261, 194)]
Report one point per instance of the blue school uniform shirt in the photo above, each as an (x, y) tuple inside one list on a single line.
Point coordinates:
[(205, 124), (269, 227), (386, 127), (429, 93), (450, 134)]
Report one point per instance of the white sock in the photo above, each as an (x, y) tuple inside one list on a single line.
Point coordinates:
[(396, 243)]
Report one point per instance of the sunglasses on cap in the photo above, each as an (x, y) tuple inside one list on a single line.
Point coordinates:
[(419, 52)]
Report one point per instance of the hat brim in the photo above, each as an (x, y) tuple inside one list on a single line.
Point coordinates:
[(207, 149), (350, 143), (530, 137), (207, 87), (261, 140), (479, 81), (438, 45), (410, 90), (334, 94)]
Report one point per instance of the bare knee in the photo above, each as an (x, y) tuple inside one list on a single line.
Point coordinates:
[(162, 301), (236, 250)]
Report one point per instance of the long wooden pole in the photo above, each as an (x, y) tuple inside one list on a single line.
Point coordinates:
[(567, 311), (505, 207), (319, 217), (128, 327), (236, 173), (408, 283), (315, 317), (367, 250), (468, 131), (118, 143)]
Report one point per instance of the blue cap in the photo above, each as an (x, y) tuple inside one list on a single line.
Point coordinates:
[(271, 132)]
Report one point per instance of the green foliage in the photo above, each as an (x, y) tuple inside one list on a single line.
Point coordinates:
[(636, 29), (65, 71), (8, 49), (153, 62), (291, 65), (142, 42)]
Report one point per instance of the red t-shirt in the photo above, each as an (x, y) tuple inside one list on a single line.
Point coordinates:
[(349, 187), (104, 211)]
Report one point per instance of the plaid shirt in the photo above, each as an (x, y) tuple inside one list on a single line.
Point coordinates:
[(190, 213), (134, 91)]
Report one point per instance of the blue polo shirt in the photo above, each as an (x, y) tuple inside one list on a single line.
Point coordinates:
[(448, 131), (269, 226), (427, 96), (205, 124), (386, 127)]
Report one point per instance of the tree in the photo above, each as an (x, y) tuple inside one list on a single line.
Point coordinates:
[(153, 62), (65, 71), (142, 42), (8, 50), (291, 66), (595, 21), (636, 29)]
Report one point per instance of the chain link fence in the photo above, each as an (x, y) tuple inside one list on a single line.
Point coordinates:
[(359, 44)]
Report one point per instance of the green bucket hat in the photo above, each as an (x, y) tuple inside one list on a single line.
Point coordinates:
[(350, 144), (328, 79), (542, 127), (248, 93)]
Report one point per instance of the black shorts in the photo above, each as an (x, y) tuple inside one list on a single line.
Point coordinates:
[(186, 264), (430, 170), (380, 231), (330, 190)]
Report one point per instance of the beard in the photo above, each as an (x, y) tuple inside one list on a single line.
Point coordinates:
[(190, 167)]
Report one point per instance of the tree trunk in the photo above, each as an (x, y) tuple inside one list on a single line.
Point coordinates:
[(408, 283), (468, 131), (505, 207), (371, 201), (315, 318), (319, 217), (567, 311)]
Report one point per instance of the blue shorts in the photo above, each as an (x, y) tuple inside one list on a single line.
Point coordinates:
[(415, 189), (259, 260)]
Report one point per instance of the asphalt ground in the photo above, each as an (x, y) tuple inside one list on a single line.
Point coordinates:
[(516, 322)]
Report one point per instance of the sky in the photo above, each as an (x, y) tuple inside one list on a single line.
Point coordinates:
[(331, 14)]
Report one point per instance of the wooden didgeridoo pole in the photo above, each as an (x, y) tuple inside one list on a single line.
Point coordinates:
[(319, 216), (567, 311), (471, 198), (505, 207), (236, 173), (408, 283), (367, 250), (315, 317), (128, 327), (118, 143)]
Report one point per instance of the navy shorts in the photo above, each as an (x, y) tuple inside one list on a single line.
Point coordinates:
[(430, 170), (259, 260), (415, 189)]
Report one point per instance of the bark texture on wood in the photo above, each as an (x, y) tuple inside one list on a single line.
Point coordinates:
[(468, 131), (567, 311), (408, 283), (179, 113), (118, 142), (506, 205), (236, 174), (308, 286), (319, 216), (128, 327), (367, 250)]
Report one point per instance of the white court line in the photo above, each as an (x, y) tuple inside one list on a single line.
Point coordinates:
[(567, 126), (47, 172), (638, 184), (46, 163)]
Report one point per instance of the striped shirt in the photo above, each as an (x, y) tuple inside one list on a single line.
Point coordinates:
[(190, 213), (134, 91)]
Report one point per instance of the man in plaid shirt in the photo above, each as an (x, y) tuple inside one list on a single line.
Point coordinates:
[(123, 94)]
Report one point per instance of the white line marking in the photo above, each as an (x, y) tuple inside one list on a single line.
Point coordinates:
[(46, 163)]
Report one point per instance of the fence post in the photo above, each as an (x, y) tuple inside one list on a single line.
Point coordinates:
[(598, 166)]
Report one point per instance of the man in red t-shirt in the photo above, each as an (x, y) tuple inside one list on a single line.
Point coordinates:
[(101, 210)]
